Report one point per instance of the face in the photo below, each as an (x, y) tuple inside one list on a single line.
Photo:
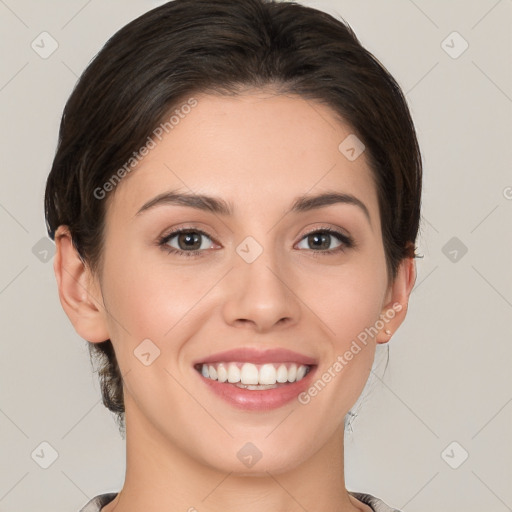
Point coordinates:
[(265, 277)]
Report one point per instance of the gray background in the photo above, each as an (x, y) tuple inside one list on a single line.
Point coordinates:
[(449, 374)]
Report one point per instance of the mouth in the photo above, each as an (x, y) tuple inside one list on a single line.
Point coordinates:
[(251, 376), (254, 380)]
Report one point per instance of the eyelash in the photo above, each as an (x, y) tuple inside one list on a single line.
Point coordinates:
[(346, 242)]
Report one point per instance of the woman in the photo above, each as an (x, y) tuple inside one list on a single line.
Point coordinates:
[(235, 201)]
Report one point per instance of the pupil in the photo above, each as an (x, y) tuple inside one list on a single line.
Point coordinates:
[(190, 237), (317, 237)]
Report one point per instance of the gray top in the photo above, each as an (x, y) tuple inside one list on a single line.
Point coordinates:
[(96, 504)]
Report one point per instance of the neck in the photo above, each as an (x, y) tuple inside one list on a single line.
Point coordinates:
[(160, 476)]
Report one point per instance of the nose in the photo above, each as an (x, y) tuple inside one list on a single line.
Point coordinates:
[(260, 296)]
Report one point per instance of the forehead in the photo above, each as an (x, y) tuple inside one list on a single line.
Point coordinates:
[(256, 150)]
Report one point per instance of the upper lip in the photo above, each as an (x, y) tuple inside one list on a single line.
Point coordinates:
[(251, 355)]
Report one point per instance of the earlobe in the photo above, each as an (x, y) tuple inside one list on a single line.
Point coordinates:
[(397, 300), (80, 299)]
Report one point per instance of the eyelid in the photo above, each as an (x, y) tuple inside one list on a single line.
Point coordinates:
[(185, 227), (346, 240), (325, 227), (164, 239)]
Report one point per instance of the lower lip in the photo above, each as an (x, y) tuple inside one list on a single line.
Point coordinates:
[(259, 399)]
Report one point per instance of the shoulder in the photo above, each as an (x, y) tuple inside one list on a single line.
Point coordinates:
[(96, 504), (375, 503)]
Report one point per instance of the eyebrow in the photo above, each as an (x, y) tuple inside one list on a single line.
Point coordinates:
[(217, 205)]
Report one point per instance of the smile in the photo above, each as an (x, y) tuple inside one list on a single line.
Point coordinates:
[(254, 376)]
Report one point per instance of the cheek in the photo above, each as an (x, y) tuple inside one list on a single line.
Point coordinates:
[(148, 295), (349, 298), (152, 313), (349, 304)]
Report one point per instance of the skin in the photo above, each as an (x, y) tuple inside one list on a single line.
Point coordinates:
[(258, 150)]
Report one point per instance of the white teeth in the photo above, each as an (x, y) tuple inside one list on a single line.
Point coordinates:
[(282, 374), (249, 374), (222, 373), (252, 376), (292, 373), (267, 374), (233, 373), (301, 372)]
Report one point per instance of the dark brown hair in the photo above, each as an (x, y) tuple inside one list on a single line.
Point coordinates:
[(185, 47)]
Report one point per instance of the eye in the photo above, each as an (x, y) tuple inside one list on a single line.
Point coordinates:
[(189, 242), (187, 239), (321, 239)]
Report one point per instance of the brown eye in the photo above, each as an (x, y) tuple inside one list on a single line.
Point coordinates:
[(321, 241), (189, 242)]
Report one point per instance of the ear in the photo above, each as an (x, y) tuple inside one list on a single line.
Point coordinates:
[(397, 300), (80, 295)]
